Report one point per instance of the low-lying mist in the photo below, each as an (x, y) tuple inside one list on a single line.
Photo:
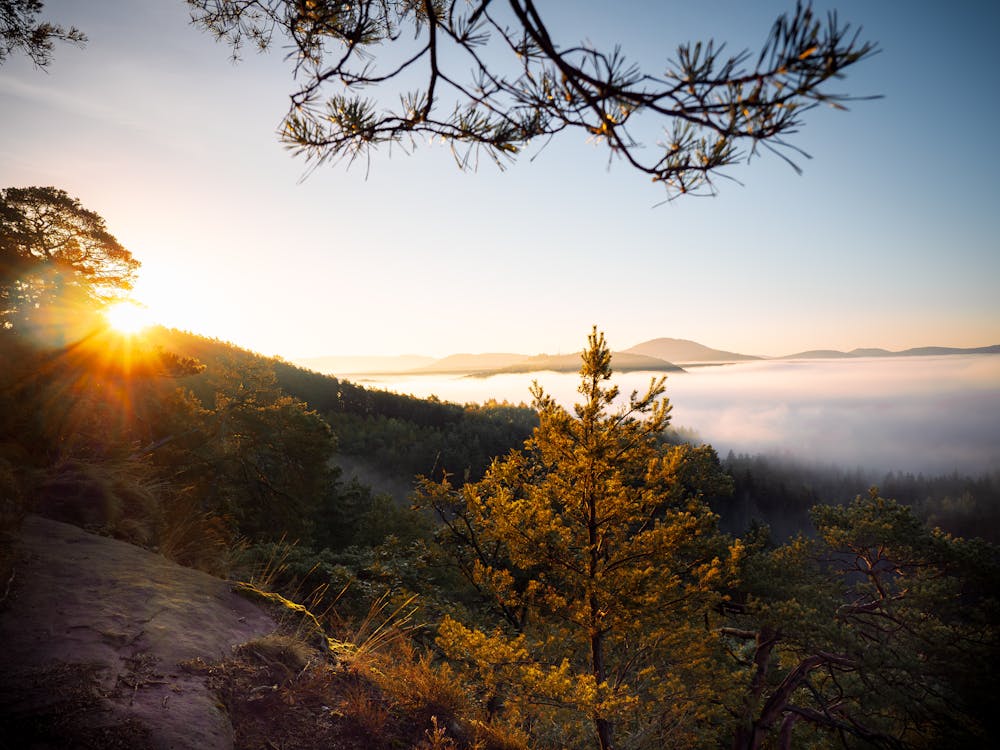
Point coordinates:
[(915, 414), (932, 415)]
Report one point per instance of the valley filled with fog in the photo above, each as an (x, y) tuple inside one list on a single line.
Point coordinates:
[(915, 414)]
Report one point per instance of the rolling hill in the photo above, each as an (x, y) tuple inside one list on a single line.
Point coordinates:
[(657, 355), (685, 351), (620, 361), (920, 351)]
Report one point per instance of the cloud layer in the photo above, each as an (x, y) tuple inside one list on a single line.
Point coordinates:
[(920, 414)]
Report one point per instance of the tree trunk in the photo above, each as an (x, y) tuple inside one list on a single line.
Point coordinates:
[(604, 727), (750, 735)]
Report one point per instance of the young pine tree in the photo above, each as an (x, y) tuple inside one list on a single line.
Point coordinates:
[(601, 558)]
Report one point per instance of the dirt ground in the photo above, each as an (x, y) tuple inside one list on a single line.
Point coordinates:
[(97, 639)]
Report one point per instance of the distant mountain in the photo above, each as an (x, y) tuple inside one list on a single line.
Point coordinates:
[(685, 351), (477, 364), (870, 353), (460, 363), (335, 365), (920, 351), (620, 362), (931, 351), (658, 355)]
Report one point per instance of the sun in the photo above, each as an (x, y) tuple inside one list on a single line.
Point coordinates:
[(128, 317)]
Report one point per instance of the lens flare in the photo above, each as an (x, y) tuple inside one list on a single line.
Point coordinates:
[(128, 317)]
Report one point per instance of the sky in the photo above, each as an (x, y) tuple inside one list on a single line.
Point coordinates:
[(889, 238)]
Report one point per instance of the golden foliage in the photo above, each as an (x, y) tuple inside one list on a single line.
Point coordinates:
[(605, 563)]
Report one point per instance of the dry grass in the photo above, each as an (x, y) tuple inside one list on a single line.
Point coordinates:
[(361, 706), (267, 573), (285, 654), (194, 538), (436, 738), (386, 625), (114, 498), (417, 685), (267, 568), (387, 621), (368, 687), (118, 498), (329, 707)]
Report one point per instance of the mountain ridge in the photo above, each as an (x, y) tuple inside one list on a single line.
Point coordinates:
[(918, 351), (661, 354), (620, 362)]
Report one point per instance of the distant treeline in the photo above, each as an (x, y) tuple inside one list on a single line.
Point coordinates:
[(780, 491)]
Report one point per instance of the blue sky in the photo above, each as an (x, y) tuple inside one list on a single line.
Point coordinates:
[(889, 238)]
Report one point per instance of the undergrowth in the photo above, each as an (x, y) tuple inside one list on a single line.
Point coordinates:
[(324, 682)]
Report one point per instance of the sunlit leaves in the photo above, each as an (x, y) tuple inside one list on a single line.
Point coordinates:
[(597, 551)]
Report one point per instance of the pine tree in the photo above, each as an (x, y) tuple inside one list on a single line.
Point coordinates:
[(492, 78), (877, 631), (22, 31), (599, 553)]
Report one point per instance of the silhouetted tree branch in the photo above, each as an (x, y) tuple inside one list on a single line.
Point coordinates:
[(20, 29), (489, 77)]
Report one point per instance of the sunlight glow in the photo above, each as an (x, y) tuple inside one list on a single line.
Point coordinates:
[(128, 317)]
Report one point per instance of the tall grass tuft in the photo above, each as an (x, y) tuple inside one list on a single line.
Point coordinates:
[(386, 624), (109, 496), (194, 537)]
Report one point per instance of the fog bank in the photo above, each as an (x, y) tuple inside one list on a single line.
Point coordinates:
[(919, 414)]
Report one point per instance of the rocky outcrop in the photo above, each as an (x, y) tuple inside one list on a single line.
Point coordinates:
[(102, 642)]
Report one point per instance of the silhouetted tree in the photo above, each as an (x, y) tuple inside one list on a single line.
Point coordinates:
[(489, 75), (20, 29), (54, 253)]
